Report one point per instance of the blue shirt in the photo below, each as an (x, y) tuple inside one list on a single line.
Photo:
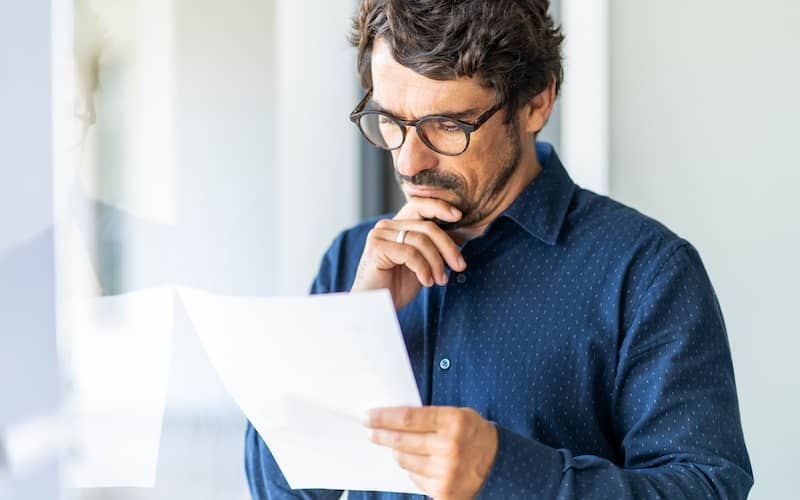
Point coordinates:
[(589, 333)]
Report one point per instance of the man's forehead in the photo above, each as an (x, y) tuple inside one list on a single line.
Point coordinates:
[(403, 91)]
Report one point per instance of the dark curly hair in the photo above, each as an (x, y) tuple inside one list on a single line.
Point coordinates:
[(512, 46)]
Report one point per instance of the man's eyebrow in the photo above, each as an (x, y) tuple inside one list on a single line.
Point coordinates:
[(456, 115)]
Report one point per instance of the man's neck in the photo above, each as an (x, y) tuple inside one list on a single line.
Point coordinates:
[(523, 177)]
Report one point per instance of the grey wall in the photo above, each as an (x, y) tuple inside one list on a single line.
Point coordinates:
[(704, 136)]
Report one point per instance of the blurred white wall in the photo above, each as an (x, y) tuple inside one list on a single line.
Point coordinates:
[(266, 161), (25, 107), (226, 147), (29, 384), (705, 100), (317, 147)]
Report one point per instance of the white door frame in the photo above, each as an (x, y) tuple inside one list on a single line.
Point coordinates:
[(585, 94)]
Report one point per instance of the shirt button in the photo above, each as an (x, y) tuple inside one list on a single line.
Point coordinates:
[(461, 278), (444, 364)]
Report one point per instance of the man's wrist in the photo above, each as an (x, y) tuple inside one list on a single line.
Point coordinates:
[(492, 455)]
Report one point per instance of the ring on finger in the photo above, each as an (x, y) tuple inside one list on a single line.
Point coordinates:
[(401, 236)]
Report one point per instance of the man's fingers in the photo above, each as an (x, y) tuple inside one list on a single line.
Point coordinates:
[(419, 208), (416, 443), (390, 254), (409, 419), (443, 243), (424, 244), (421, 465)]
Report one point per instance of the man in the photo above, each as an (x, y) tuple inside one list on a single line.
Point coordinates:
[(564, 345)]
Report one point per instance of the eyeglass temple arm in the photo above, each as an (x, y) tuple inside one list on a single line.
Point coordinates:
[(360, 106)]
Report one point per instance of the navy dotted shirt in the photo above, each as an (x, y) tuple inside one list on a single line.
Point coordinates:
[(589, 333)]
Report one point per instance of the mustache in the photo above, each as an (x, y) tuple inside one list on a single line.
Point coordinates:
[(429, 178)]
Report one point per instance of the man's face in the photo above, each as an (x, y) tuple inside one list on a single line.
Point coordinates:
[(474, 181)]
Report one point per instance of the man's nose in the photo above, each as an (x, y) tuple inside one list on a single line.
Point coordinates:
[(414, 156)]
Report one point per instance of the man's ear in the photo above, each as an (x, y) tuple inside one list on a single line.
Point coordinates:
[(537, 111)]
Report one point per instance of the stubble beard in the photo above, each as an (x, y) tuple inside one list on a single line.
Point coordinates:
[(478, 209)]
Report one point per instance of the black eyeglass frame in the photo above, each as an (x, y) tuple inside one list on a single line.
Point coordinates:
[(467, 127)]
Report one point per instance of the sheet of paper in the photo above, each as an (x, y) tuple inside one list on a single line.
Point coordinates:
[(119, 356), (304, 370)]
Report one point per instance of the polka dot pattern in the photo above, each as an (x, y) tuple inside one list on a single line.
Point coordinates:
[(592, 337)]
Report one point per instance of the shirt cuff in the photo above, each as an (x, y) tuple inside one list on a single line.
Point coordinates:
[(523, 468)]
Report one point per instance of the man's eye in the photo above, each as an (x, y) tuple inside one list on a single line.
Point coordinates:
[(384, 120), (449, 127)]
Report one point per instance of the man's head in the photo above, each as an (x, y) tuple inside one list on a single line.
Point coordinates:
[(460, 58)]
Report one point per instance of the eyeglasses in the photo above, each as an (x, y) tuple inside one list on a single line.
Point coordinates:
[(442, 134)]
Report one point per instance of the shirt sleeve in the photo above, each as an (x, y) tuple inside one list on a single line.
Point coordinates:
[(674, 407), (264, 477)]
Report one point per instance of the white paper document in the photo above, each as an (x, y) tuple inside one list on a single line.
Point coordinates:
[(304, 370)]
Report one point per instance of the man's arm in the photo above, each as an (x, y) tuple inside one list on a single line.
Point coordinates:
[(675, 409)]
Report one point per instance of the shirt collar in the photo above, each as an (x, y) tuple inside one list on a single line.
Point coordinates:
[(542, 206)]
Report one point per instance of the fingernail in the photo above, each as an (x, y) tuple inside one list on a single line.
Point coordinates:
[(461, 262), (444, 278), (365, 419), (456, 212)]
